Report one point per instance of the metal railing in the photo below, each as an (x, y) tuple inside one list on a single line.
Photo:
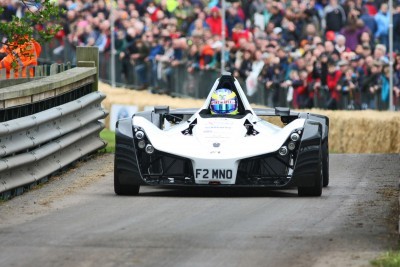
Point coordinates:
[(48, 123), (179, 82)]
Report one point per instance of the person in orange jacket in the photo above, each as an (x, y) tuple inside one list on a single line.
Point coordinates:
[(19, 56)]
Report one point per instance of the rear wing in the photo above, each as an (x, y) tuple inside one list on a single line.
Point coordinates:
[(288, 116)]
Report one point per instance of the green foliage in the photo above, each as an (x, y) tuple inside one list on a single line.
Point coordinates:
[(38, 23), (108, 136), (389, 259)]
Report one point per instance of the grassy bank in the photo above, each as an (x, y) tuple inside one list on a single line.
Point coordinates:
[(389, 259), (108, 136)]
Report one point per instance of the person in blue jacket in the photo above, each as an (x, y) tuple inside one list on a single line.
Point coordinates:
[(382, 21)]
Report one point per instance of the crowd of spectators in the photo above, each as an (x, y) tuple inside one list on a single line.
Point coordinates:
[(336, 49)]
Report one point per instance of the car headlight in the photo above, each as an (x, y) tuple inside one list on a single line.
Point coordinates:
[(149, 149), (283, 151), (291, 145), (141, 144), (139, 135), (294, 137)]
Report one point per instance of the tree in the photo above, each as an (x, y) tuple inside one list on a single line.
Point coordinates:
[(38, 22)]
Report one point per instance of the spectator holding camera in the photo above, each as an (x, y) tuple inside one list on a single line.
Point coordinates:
[(371, 85), (347, 87), (331, 76)]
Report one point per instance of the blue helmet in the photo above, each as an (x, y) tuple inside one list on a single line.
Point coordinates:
[(224, 101)]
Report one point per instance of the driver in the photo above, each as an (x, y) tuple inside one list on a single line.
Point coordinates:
[(225, 102)]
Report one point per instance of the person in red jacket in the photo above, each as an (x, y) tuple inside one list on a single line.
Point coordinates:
[(330, 77), (311, 84), (215, 22), (302, 91)]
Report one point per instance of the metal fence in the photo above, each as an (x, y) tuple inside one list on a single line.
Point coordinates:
[(178, 81), (48, 123)]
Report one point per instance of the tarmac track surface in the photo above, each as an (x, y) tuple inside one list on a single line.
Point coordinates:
[(77, 220)]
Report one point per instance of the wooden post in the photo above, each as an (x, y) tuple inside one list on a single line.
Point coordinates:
[(89, 53)]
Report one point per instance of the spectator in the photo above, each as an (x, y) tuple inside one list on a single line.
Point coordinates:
[(184, 14), (352, 11), (238, 32), (310, 14), (276, 14), (232, 20), (246, 65), (385, 89), (396, 29), (215, 21), (256, 7), (120, 42), (156, 49), (287, 35), (396, 82), (199, 27), (370, 85), (334, 17), (332, 76), (291, 34), (366, 39), (193, 59), (252, 78), (340, 45), (153, 12), (206, 56), (291, 85), (382, 20), (371, 8), (138, 56), (357, 65), (347, 87), (369, 21), (380, 53), (309, 32), (103, 39), (366, 50), (352, 32), (124, 56)]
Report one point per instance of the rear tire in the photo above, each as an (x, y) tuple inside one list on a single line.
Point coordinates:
[(316, 190)]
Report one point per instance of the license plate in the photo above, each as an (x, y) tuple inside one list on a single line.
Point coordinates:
[(219, 174)]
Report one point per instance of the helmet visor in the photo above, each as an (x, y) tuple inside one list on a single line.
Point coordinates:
[(223, 106)]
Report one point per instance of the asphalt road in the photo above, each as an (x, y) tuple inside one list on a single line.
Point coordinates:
[(76, 220)]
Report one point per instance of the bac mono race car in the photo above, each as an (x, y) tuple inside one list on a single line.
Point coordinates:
[(225, 143)]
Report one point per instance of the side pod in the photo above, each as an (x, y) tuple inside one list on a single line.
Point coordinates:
[(307, 169), (126, 166)]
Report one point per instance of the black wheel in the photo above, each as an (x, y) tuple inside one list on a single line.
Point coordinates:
[(316, 190), (126, 189), (325, 163)]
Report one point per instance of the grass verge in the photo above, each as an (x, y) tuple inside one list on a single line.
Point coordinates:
[(389, 259), (108, 136)]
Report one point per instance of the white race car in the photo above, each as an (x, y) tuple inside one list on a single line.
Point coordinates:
[(225, 143)]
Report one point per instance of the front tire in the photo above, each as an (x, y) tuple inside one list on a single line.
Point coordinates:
[(124, 189), (316, 190), (325, 163)]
